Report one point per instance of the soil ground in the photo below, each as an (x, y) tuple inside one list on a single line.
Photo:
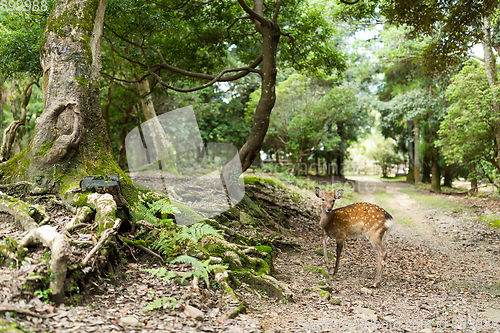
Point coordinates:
[(442, 274)]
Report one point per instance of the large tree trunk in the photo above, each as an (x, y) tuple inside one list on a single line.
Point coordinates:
[(270, 37), (491, 74), (70, 139)]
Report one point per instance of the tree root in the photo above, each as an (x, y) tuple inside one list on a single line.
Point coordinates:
[(145, 249), (265, 283), (82, 216), (13, 185), (60, 252), (104, 237), (19, 210), (232, 305), (23, 311)]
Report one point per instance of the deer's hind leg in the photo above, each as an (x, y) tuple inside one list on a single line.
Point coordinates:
[(376, 239)]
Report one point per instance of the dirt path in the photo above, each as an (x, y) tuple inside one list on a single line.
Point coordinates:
[(442, 274)]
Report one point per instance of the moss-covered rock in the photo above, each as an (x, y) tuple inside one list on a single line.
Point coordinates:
[(265, 283)]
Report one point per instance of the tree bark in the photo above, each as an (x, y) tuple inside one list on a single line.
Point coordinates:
[(410, 177), (155, 129), (491, 74), (448, 176), (427, 166), (270, 32), (416, 158), (105, 110), (70, 140), (436, 172), (123, 135)]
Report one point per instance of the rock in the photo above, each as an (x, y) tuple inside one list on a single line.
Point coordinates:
[(193, 312), (426, 330), (492, 314), (367, 291), (365, 313), (128, 321), (297, 262)]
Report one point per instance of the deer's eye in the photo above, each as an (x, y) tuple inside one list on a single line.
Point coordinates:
[(323, 199)]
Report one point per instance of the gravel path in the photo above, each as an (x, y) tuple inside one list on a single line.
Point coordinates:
[(442, 272)]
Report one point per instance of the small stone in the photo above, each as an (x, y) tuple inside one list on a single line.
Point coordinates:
[(128, 321), (367, 291), (193, 312), (297, 262), (365, 313), (426, 330), (492, 314)]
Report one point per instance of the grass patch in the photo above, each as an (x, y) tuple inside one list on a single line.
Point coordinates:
[(315, 269), (493, 220)]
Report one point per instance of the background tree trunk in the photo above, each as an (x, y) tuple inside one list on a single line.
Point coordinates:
[(436, 172), (416, 158), (270, 37)]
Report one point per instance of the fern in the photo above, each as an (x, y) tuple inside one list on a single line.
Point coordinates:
[(164, 207), (199, 269), (161, 273), (161, 303), (196, 231)]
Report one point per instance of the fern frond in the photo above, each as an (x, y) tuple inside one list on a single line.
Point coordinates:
[(161, 303), (199, 269), (161, 273), (196, 231)]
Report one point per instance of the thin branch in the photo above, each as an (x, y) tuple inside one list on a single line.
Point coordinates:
[(244, 71), (234, 22), (349, 2), (215, 79), (251, 12), (276, 12)]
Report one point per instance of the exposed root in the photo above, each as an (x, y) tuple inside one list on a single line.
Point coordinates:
[(14, 185), (105, 207), (232, 305), (82, 216), (104, 237), (60, 252), (266, 283), (23, 311), (145, 249), (19, 210)]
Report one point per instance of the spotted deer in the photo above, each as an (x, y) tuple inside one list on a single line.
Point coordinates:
[(354, 220)]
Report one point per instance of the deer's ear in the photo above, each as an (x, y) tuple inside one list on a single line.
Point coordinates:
[(318, 192), (338, 194)]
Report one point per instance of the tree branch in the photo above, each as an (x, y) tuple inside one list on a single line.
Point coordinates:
[(277, 10), (349, 2), (251, 12)]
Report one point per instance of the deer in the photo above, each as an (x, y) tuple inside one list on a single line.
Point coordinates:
[(354, 220)]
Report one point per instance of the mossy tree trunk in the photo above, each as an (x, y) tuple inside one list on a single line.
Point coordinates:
[(70, 139)]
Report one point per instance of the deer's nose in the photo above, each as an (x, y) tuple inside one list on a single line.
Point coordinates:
[(329, 209)]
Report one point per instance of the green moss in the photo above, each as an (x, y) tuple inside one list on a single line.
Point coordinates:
[(324, 294), (314, 269), (82, 81), (320, 252), (264, 248)]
